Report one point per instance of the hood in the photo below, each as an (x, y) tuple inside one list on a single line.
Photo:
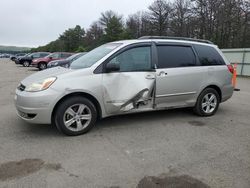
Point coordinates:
[(45, 74)]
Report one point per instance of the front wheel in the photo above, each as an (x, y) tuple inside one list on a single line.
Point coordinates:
[(26, 64), (75, 116), (207, 103)]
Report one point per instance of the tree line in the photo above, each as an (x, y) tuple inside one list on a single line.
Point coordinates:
[(224, 22)]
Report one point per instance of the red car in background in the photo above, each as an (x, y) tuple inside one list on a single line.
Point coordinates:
[(41, 63)]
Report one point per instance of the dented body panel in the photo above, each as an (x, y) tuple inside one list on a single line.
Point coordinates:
[(127, 91)]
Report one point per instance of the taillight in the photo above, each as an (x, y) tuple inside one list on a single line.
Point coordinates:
[(230, 68)]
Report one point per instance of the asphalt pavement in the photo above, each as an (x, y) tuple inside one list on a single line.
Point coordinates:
[(165, 148)]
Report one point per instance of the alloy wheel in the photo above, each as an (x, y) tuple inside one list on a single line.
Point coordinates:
[(26, 63), (77, 117), (209, 103)]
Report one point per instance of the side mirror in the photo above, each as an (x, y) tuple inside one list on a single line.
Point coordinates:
[(50, 57), (32, 57), (112, 67)]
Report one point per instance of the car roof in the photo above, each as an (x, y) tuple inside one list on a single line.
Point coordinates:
[(179, 41), (63, 53)]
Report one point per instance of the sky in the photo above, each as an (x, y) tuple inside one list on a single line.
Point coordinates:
[(33, 23)]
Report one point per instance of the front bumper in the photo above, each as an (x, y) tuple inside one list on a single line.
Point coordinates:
[(17, 61), (36, 107)]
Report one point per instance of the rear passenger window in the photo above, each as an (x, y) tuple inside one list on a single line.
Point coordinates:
[(208, 56), (175, 56)]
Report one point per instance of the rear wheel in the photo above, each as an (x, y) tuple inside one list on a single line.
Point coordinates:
[(42, 66), (207, 103), (26, 64), (75, 116)]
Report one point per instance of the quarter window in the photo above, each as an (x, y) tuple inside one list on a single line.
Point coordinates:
[(208, 56), (175, 56), (135, 59)]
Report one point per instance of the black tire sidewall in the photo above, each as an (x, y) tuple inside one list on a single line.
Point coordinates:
[(26, 62), (198, 107), (39, 66), (64, 106)]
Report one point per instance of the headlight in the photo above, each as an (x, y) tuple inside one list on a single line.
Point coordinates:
[(56, 63), (41, 85)]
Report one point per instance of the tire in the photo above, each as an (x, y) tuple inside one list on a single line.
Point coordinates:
[(42, 66), (82, 108), (207, 103), (26, 64)]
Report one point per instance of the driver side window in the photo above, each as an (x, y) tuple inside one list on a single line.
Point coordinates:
[(135, 59)]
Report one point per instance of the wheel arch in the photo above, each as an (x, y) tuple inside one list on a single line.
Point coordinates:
[(42, 62), (82, 94), (215, 87)]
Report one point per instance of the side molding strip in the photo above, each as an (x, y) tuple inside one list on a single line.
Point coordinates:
[(175, 94)]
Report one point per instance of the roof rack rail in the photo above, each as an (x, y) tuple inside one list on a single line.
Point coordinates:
[(177, 38)]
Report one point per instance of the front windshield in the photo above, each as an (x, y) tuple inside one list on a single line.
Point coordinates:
[(50, 55), (26, 55), (93, 56), (29, 55)]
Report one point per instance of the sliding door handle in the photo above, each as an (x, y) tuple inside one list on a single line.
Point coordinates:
[(162, 73)]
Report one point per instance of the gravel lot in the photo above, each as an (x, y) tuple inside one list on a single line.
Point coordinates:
[(142, 150)]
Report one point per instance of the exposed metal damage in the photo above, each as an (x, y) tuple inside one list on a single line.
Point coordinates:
[(129, 95)]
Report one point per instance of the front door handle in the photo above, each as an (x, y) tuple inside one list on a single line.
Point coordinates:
[(150, 77)]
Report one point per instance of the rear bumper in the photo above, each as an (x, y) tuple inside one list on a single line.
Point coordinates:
[(227, 92)]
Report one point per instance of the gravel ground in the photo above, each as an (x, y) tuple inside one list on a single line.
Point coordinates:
[(158, 149)]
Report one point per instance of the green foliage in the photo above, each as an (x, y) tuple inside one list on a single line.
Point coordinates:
[(13, 49), (72, 38), (70, 41), (227, 23), (80, 49), (114, 30)]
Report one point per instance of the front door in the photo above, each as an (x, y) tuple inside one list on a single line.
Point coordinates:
[(132, 87)]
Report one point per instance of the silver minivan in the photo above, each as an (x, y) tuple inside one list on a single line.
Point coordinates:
[(150, 73)]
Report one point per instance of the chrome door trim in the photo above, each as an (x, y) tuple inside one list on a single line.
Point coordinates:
[(175, 94)]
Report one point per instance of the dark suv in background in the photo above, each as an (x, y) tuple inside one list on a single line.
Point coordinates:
[(41, 63), (26, 60), (14, 57)]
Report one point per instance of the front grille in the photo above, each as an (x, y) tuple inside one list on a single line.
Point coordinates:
[(21, 87)]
